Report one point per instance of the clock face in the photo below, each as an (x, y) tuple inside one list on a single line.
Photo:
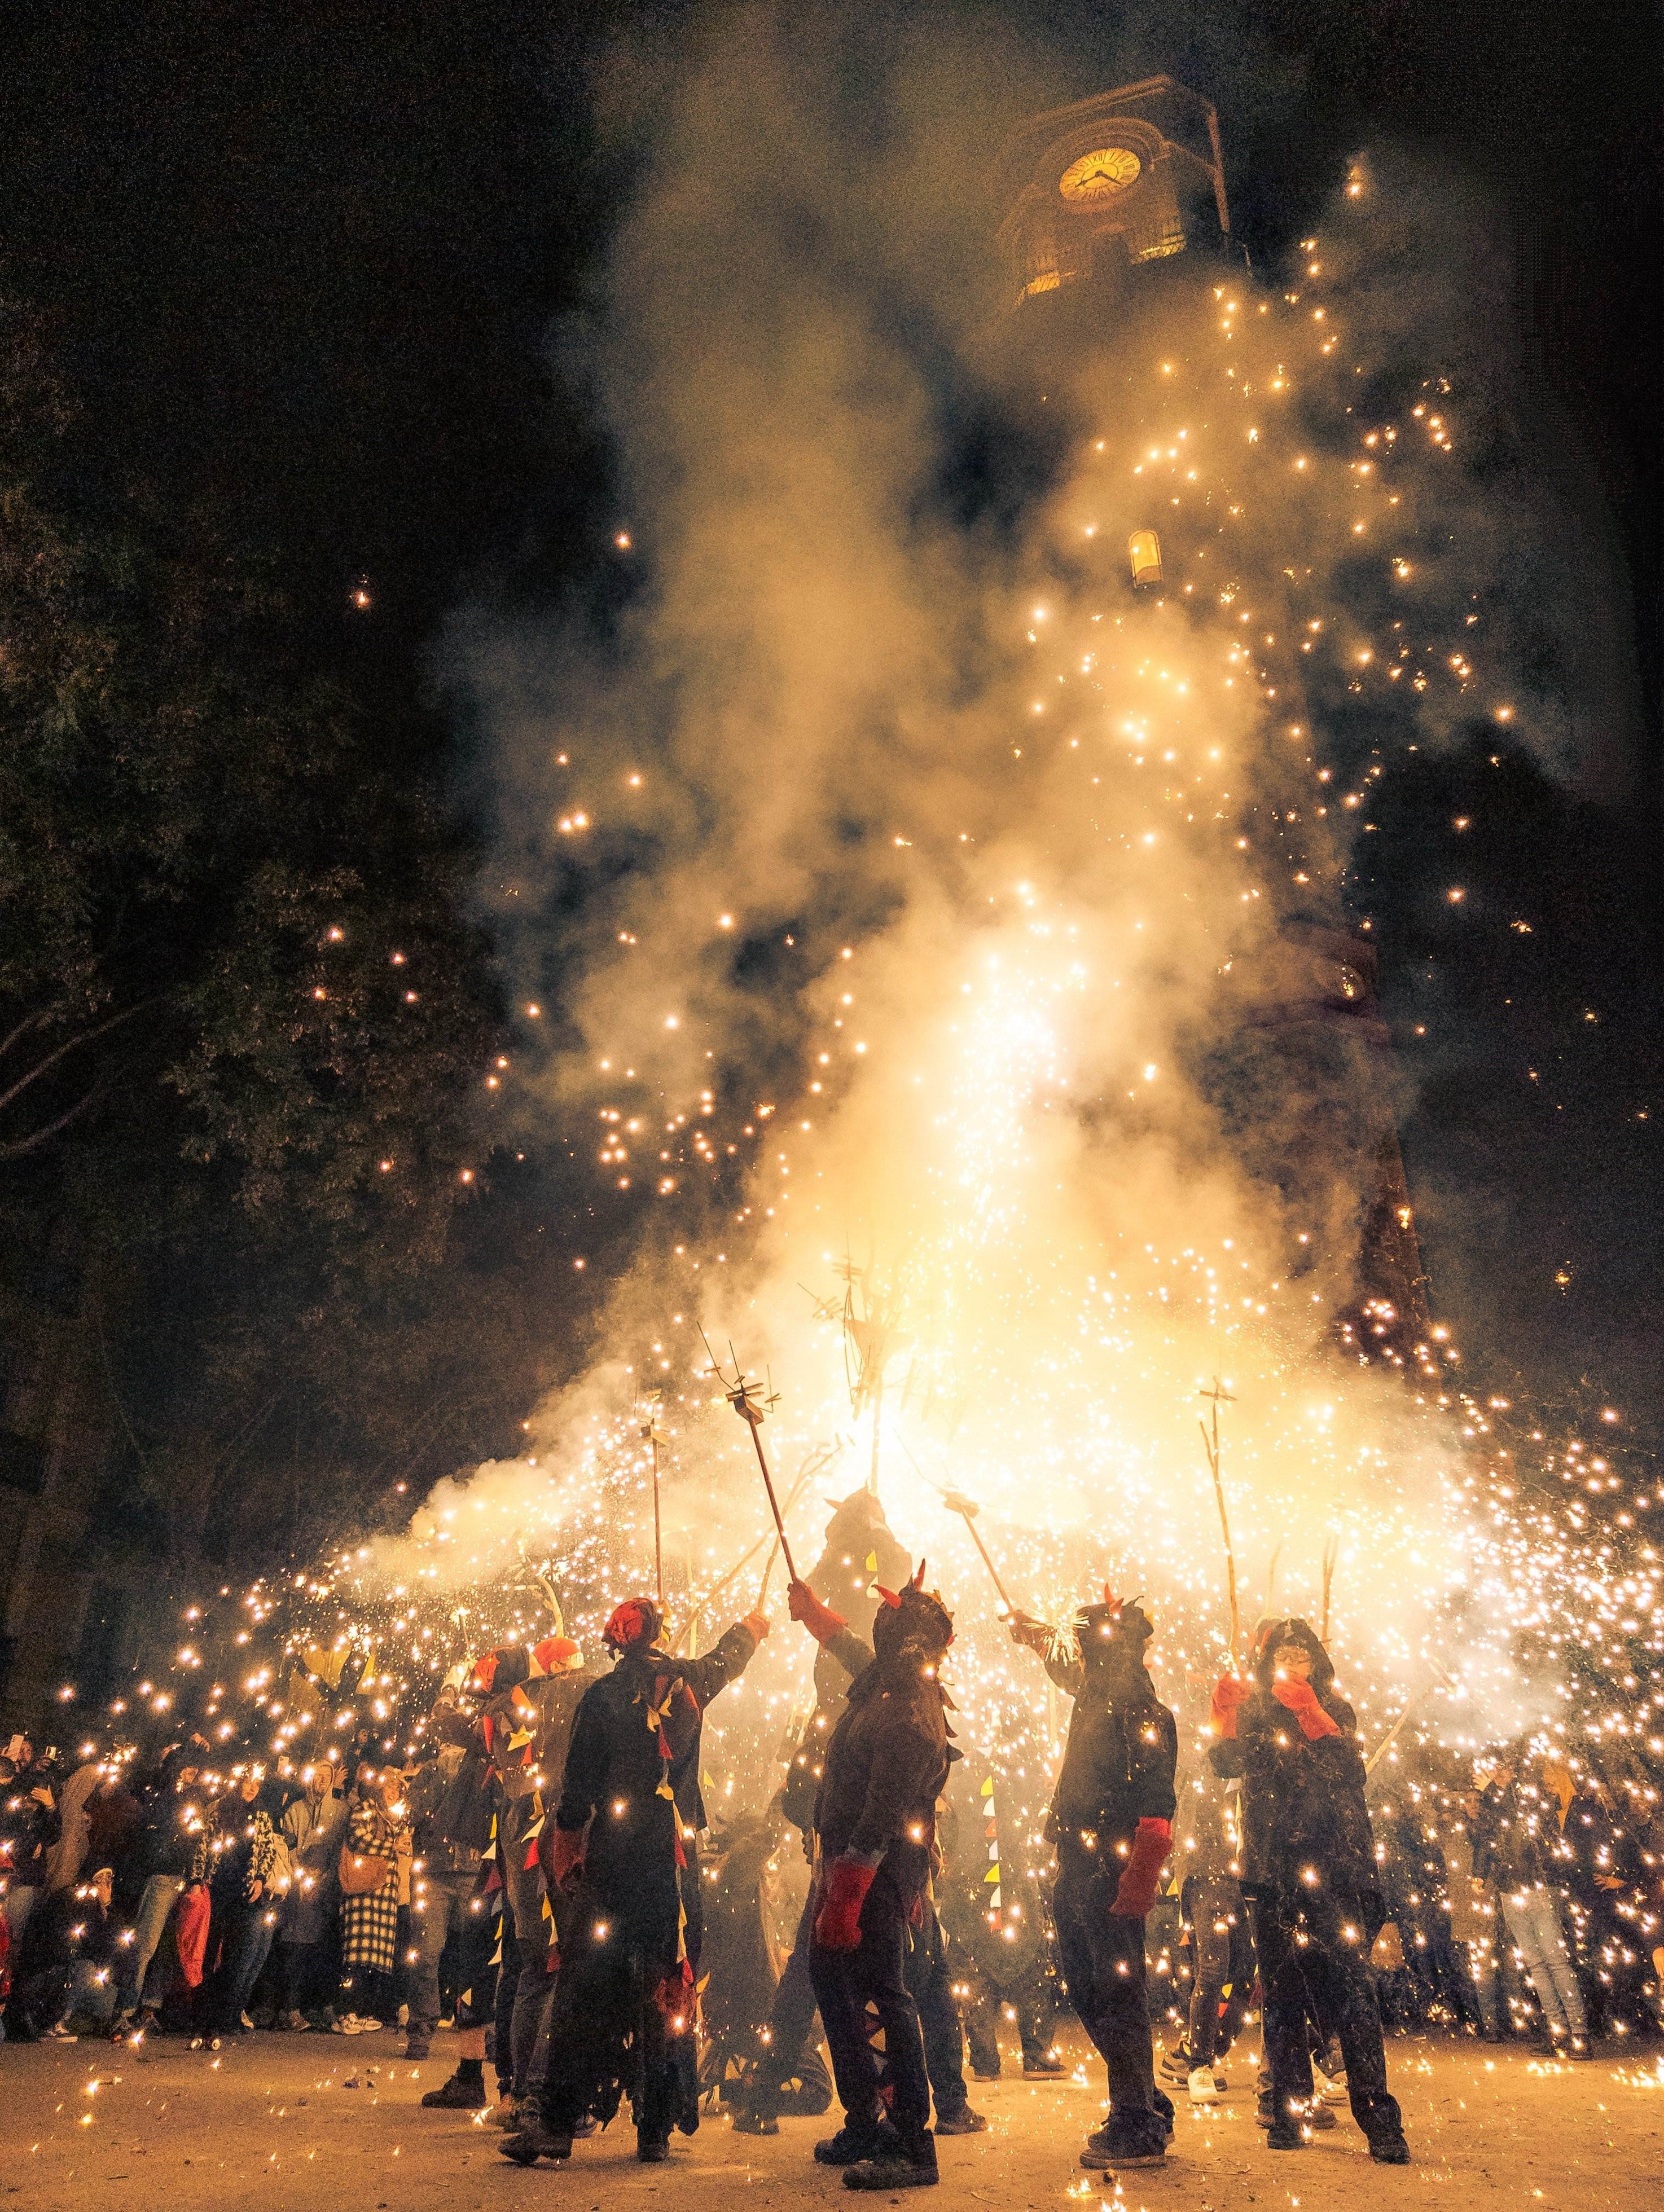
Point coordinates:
[(1099, 175)]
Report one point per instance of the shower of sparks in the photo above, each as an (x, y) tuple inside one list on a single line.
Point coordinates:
[(994, 1085)]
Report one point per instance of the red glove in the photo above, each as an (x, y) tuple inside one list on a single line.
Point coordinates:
[(562, 1853), (805, 1609), (1142, 1870), (1300, 1698), (837, 1922), (758, 1624), (1231, 1694)]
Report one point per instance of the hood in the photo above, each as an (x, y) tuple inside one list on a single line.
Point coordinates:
[(1291, 1630)]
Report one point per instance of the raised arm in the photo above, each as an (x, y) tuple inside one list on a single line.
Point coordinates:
[(727, 1659)]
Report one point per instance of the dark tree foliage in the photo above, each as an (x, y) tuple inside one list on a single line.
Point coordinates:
[(244, 1026)]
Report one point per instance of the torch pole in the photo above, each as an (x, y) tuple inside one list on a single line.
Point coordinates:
[(957, 1502), (1210, 1446), (658, 1526), (754, 1420)]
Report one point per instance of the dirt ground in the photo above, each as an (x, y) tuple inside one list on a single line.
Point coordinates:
[(299, 2124)]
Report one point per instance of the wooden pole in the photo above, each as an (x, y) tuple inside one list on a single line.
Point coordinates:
[(658, 1526), (1210, 1446), (1331, 1557), (957, 1502), (752, 1416)]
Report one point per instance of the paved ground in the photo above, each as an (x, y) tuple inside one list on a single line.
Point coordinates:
[(314, 2124)]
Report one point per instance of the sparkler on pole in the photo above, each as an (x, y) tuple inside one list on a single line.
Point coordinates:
[(967, 1508), (648, 1407), (1441, 1680), (1331, 1559), (869, 1317), (1210, 1446), (816, 1460), (752, 1410)]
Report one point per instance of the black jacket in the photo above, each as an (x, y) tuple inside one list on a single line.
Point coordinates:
[(452, 1803), (887, 1764), (1122, 1753), (640, 1840), (1514, 1837), (1303, 1808), (28, 1829)]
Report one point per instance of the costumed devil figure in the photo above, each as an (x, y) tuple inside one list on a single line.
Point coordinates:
[(874, 1820), (1309, 1877), (861, 1555), (1111, 1825), (623, 1841), (533, 1705)]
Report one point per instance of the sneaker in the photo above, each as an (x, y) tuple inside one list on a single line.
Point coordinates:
[(532, 2141), (849, 2146), (1389, 2147), (1331, 2087), (365, 2025), (1176, 2065), (652, 2150), (59, 2033), (1128, 2142), (962, 2122), (1201, 2088), (512, 2112), (344, 2023), (457, 2095), (913, 2167)]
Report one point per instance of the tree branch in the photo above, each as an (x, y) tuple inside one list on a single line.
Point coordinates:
[(86, 1037)]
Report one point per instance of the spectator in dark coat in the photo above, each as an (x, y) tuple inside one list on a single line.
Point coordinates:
[(1517, 1840), (1600, 1867), (29, 1828), (1309, 1877), (171, 1816)]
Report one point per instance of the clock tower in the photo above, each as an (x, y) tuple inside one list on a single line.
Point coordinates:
[(1107, 185)]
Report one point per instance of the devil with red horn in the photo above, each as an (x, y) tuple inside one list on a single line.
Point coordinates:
[(1111, 1825), (875, 1821)]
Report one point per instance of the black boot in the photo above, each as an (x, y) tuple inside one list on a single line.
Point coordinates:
[(912, 2165), (1135, 2139), (1387, 2146), (531, 2141), (457, 2095), (850, 2145)]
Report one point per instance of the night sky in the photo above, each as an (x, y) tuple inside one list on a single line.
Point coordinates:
[(303, 263)]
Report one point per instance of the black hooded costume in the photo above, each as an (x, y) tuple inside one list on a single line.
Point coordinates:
[(874, 1820), (628, 1971), (1309, 1873), (1111, 1825)]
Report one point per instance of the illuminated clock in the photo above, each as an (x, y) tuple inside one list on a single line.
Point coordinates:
[(1099, 175)]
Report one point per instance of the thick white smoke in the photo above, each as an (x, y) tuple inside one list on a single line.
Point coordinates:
[(900, 888)]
